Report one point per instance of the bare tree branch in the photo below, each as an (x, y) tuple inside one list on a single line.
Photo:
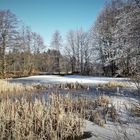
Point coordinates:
[(138, 3)]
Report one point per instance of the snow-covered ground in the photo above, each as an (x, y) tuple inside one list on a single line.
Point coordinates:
[(113, 132), (128, 127), (70, 79)]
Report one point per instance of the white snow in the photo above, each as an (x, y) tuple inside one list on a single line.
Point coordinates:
[(113, 132)]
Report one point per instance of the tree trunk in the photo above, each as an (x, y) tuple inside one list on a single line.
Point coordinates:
[(3, 55)]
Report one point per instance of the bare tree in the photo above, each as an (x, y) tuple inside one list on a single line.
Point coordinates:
[(37, 49), (70, 49), (56, 42), (8, 31), (79, 51), (56, 45), (138, 3)]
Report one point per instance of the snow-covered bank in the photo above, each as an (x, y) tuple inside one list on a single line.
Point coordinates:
[(126, 128), (113, 132)]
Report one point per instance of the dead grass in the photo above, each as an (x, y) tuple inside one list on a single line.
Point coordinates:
[(75, 86), (102, 110), (66, 86), (135, 110), (112, 84), (103, 100), (7, 88), (61, 117), (25, 119)]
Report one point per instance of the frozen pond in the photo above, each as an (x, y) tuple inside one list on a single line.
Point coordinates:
[(55, 79), (51, 80)]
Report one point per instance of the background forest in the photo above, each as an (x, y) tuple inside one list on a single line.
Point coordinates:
[(111, 46)]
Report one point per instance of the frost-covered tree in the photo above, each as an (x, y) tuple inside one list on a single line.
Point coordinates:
[(127, 36), (103, 33), (117, 34)]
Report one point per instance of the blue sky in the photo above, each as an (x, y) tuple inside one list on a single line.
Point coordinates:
[(46, 16)]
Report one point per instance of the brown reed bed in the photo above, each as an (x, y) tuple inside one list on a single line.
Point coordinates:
[(112, 84), (60, 118), (69, 86), (7, 88), (56, 119)]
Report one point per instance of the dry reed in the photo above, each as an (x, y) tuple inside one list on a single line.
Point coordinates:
[(56, 119), (7, 88), (111, 84)]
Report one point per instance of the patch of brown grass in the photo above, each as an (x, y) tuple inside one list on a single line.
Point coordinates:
[(111, 84), (75, 86), (103, 100)]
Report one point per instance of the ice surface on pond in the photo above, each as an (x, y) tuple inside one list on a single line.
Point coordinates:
[(71, 79)]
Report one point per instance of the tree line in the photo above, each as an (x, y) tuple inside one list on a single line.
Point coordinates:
[(111, 46)]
